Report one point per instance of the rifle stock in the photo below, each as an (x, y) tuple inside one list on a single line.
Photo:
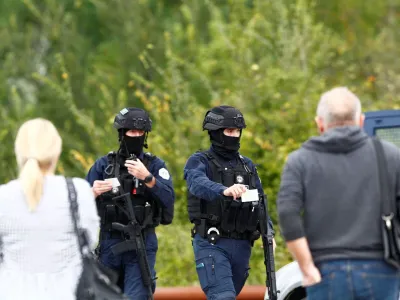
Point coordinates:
[(267, 240)]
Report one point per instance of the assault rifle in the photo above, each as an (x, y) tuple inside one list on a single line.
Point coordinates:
[(135, 242), (267, 240)]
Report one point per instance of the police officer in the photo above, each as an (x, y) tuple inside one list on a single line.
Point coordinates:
[(150, 186), (225, 226)]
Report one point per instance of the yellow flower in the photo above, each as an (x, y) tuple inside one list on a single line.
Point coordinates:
[(138, 93), (78, 3)]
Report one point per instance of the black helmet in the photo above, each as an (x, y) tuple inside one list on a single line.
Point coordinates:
[(223, 117), (133, 118)]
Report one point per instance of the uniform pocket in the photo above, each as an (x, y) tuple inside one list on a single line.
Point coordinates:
[(231, 210), (243, 218), (380, 285), (139, 214), (205, 268), (253, 218)]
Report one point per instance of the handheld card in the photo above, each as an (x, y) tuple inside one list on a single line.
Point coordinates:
[(250, 196), (114, 181)]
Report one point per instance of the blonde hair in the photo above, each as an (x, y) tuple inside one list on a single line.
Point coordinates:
[(37, 149)]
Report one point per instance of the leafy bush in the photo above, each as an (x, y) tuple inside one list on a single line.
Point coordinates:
[(78, 62)]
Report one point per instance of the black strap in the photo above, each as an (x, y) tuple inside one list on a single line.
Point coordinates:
[(384, 182), (117, 167), (81, 233), (245, 165), (213, 160), (219, 166), (210, 217)]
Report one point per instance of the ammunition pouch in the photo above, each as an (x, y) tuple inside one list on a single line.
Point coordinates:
[(239, 216), (110, 213)]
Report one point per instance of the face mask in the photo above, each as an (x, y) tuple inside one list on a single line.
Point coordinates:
[(134, 144), (231, 142), (221, 140)]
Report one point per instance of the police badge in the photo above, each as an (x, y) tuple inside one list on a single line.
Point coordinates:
[(239, 179)]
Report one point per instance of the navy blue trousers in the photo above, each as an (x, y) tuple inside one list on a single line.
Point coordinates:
[(126, 264), (222, 268)]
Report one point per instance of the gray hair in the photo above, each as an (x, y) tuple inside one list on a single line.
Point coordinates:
[(339, 106)]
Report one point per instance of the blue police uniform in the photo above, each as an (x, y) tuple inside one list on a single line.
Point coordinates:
[(127, 262), (222, 267)]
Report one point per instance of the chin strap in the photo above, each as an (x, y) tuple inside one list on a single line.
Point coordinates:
[(145, 145)]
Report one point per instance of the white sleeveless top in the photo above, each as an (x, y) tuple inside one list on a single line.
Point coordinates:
[(41, 257)]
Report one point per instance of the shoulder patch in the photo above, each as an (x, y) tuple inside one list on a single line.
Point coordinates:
[(163, 172)]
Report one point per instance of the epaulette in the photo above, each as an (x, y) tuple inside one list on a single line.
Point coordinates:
[(110, 157), (208, 155), (149, 155)]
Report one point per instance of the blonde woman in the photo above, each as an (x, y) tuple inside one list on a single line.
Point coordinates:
[(40, 252)]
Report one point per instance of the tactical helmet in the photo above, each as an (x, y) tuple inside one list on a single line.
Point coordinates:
[(223, 116), (133, 118)]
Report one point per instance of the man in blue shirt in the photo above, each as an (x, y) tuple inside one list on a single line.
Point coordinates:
[(146, 178), (222, 206)]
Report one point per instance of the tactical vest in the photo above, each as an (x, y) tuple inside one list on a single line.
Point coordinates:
[(147, 210), (227, 215)]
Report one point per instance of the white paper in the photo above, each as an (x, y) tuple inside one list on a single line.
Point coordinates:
[(250, 196), (114, 181)]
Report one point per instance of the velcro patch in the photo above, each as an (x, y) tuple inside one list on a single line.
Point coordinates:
[(164, 173)]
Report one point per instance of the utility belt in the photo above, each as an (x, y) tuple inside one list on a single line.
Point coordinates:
[(214, 233), (115, 234)]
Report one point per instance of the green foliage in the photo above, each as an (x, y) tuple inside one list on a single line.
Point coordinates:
[(78, 62)]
